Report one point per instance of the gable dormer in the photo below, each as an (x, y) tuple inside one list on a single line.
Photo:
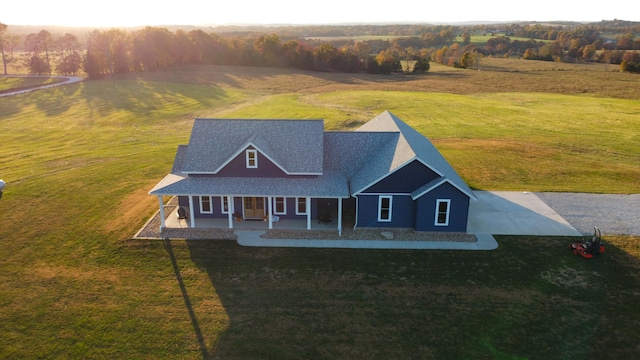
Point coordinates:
[(261, 148), (251, 162)]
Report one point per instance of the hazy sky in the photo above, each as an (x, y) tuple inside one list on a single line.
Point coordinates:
[(216, 12)]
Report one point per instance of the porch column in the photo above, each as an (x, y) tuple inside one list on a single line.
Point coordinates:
[(270, 208), (308, 200), (162, 225), (191, 213), (230, 211), (340, 216)]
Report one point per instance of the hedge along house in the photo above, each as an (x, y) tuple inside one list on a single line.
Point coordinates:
[(244, 169)]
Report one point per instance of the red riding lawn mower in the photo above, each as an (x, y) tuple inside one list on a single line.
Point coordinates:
[(588, 248)]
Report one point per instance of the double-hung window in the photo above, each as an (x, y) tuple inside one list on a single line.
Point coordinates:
[(280, 206), (442, 212), (301, 206), (385, 208), (206, 206), (252, 159)]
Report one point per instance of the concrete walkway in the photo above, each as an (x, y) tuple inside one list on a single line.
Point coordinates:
[(253, 238)]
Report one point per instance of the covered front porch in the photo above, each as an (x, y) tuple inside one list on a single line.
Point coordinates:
[(172, 218)]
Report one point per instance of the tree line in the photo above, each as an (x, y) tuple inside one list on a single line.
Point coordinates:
[(114, 51), (557, 43), (117, 51)]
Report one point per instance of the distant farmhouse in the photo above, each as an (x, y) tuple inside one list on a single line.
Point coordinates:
[(384, 174)]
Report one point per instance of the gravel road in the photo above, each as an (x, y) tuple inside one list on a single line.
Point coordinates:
[(613, 214)]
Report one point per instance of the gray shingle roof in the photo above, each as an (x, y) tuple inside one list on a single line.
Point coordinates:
[(359, 158), (331, 185), (294, 145), (412, 145)]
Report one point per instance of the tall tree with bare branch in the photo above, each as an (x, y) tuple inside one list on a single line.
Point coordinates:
[(3, 30)]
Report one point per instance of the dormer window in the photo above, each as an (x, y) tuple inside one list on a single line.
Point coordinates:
[(252, 159)]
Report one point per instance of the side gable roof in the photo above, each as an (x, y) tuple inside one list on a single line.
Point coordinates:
[(411, 145), (296, 146)]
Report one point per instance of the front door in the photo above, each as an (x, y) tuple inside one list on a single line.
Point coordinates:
[(254, 208)]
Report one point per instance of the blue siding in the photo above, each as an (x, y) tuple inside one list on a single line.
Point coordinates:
[(405, 180), (458, 211), (402, 212)]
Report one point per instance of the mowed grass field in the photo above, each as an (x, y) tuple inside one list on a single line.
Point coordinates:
[(79, 160)]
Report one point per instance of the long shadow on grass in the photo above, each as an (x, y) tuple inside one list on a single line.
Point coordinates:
[(187, 301), (368, 304), (142, 98), (52, 101)]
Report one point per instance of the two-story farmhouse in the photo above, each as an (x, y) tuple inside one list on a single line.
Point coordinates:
[(271, 170)]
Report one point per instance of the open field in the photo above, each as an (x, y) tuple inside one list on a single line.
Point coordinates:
[(79, 160), (481, 40)]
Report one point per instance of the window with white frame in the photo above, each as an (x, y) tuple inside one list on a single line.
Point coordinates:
[(301, 206), (224, 204), (385, 208), (442, 212), (252, 159), (206, 205), (279, 206)]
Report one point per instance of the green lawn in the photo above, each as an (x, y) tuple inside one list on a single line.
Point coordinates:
[(13, 83), (78, 161)]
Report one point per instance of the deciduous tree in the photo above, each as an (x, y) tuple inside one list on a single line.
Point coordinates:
[(630, 62), (421, 65), (70, 58), (3, 30)]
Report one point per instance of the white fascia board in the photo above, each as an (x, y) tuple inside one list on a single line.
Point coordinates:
[(236, 154), (471, 196), (435, 185), (392, 172)]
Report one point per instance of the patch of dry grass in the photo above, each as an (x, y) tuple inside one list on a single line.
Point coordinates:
[(495, 75)]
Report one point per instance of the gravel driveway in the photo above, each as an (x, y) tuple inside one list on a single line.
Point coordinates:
[(613, 214)]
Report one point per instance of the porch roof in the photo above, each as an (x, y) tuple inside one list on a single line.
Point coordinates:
[(331, 184)]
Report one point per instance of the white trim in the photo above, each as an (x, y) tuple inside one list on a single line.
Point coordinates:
[(270, 212), (230, 212), (438, 202), (435, 185), (275, 205), (222, 201), (306, 206), (249, 158), (202, 211), (389, 209), (395, 170), (470, 195), (383, 194), (339, 217), (162, 223), (192, 217), (237, 153)]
